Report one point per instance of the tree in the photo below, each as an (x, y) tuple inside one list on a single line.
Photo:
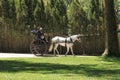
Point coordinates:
[(111, 40), (95, 12), (48, 17), (6, 9), (0, 14), (13, 13), (61, 16), (77, 17), (6, 15), (0, 9), (21, 16), (40, 16), (31, 5), (56, 16)]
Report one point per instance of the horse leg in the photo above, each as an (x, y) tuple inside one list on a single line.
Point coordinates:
[(55, 49), (67, 50), (71, 48), (54, 52)]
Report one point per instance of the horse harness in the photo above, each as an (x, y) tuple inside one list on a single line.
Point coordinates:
[(71, 41)]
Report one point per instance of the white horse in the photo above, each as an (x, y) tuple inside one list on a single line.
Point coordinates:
[(66, 42)]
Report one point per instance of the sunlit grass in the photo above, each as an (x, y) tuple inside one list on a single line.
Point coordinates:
[(60, 68)]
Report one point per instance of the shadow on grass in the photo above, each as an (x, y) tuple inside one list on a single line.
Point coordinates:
[(51, 68), (111, 59)]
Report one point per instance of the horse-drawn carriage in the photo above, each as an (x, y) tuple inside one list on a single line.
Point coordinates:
[(40, 46)]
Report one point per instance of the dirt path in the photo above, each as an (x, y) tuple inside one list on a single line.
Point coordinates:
[(15, 55), (23, 55)]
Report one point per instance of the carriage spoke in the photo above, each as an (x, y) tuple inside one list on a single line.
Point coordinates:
[(38, 47)]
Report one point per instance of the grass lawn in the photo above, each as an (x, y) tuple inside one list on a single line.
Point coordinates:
[(60, 68)]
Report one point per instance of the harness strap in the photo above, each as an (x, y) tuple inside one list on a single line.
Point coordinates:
[(68, 41), (65, 41), (71, 39)]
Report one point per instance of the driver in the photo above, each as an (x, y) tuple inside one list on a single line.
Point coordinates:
[(41, 34)]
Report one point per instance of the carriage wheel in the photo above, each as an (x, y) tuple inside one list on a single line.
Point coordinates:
[(38, 47)]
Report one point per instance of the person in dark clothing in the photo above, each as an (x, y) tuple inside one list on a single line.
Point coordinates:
[(39, 31), (41, 34)]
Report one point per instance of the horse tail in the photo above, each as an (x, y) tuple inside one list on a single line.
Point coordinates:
[(51, 47)]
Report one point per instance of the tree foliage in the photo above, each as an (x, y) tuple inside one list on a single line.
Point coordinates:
[(57, 15)]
